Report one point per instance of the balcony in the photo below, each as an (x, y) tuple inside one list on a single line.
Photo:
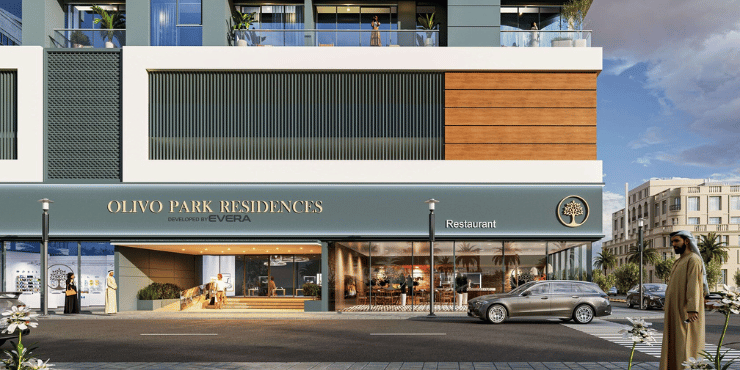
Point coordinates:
[(89, 38), (539, 39), (675, 207), (284, 37)]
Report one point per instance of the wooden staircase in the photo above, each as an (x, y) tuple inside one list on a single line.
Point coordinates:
[(264, 303)]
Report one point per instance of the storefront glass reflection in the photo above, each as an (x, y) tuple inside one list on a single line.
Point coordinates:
[(395, 276), (89, 261)]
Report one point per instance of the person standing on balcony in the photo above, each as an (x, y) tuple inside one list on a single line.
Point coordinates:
[(375, 34), (534, 36), (683, 330)]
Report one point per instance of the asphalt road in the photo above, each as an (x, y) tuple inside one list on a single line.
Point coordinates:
[(714, 324), (441, 340)]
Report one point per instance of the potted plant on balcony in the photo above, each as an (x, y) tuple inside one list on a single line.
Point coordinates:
[(427, 23), (574, 12), (242, 22), (79, 39), (112, 23)]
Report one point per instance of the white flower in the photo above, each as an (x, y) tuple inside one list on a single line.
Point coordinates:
[(639, 332), (35, 364), (697, 363), (730, 302), (18, 317)]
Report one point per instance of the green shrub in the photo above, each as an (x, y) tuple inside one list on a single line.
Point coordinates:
[(737, 278), (604, 282), (714, 273), (159, 291), (312, 290), (627, 277)]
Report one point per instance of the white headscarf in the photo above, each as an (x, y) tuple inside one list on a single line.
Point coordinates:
[(692, 246)]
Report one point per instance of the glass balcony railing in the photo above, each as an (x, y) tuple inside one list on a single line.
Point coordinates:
[(89, 38), (538, 39), (335, 38)]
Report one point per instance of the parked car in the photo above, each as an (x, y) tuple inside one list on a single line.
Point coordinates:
[(577, 300), (612, 291), (7, 301), (653, 296)]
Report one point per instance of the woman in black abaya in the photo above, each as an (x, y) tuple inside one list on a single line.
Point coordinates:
[(71, 303)]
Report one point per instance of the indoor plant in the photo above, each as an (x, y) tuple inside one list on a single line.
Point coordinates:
[(112, 24), (427, 23), (242, 22), (79, 39)]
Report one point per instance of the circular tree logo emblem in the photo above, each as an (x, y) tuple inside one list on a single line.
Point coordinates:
[(58, 277), (573, 211)]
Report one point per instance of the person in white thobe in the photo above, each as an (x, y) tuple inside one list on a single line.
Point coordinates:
[(110, 294)]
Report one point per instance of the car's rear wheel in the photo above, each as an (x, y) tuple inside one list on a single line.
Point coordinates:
[(583, 314), (496, 314)]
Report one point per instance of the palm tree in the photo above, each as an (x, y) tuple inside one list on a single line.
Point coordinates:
[(468, 255), (509, 257), (605, 260), (649, 255), (712, 249)]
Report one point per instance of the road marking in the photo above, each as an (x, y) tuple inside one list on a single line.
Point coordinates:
[(178, 334), (609, 331), (401, 334)]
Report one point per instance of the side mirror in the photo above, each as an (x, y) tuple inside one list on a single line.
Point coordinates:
[(526, 293)]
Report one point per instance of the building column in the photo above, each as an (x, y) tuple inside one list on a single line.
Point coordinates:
[(40, 18), (138, 26), (308, 22), (217, 23), (324, 276), (474, 23)]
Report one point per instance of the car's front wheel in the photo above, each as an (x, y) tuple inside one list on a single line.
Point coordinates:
[(496, 314), (583, 314), (629, 303)]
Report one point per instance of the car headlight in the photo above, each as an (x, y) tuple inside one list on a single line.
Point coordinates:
[(478, 304)]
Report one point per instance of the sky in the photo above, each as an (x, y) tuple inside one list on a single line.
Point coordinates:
[(669, 92)]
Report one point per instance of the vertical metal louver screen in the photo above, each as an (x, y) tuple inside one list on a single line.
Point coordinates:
[(84, 115), (296, 115), (8, 115)]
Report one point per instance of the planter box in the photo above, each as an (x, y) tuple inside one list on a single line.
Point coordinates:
[(149, 305), (562, 43), (312, 306)]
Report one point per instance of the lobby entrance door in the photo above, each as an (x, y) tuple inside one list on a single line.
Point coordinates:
[(288, 271)]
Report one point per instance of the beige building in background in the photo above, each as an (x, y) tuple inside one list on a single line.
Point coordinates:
[(668, 205)]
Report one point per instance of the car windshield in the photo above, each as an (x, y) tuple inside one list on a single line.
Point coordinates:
[(656, 288), (524, 287)]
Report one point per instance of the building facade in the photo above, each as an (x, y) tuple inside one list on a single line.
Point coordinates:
[(301, 150), (667, 205)]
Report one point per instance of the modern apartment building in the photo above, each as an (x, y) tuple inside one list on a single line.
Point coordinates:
[(668, 205), (302, 149)]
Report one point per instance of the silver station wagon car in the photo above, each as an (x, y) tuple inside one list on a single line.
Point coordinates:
[(577, 300)]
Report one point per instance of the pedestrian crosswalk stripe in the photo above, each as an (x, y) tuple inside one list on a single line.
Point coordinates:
[(609, 331)]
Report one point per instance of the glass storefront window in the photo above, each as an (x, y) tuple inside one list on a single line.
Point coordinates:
[(473, 267), (97, 259), (176, 23), (22, 262)]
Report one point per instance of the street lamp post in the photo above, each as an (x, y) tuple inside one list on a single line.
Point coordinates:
[(44, 254), (639, 249), (431, 203)]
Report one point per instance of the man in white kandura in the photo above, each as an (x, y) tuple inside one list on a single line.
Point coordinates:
[(110, 294)]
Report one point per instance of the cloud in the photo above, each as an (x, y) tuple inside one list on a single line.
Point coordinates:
[(644, 161), (612, 202), (652, 136), (693, 64), (729, 177)]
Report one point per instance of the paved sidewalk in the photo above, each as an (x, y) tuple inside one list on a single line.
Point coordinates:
[(360, 365)]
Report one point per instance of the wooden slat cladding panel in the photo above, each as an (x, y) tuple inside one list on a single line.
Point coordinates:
[(520, 99), (521, 81), (520, 116), (520, 134), (506, 152)]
